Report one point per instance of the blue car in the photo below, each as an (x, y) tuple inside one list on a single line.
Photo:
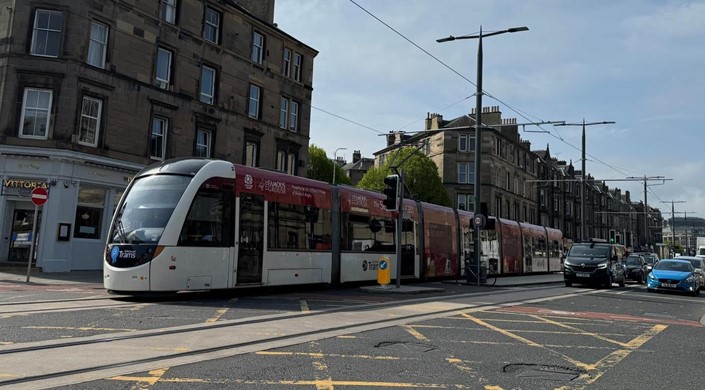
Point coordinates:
[(673, 275)]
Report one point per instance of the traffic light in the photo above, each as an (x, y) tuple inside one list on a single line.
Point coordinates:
[(392, 184), (612, 236)]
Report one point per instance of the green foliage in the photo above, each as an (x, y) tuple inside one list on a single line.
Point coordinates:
[(320, 167), (420, 175)]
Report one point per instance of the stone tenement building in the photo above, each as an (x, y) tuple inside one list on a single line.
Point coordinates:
[(91, 91), (518, 183)]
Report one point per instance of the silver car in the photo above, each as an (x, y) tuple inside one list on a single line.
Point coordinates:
[(698, 264)]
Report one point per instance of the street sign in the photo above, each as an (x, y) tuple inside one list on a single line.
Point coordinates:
[(479, 221), (39, 196)]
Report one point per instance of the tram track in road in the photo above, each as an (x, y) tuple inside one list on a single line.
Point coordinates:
[(98, 357)]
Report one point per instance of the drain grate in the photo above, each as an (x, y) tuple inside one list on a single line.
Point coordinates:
[(542, 372), (403, 346)]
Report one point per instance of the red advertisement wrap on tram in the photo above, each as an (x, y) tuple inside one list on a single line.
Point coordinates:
[(194, 224)]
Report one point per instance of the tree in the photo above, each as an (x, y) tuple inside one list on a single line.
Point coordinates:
[(320, 167), (420, 175)]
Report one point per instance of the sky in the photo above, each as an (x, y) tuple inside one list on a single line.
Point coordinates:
[(639, 63)]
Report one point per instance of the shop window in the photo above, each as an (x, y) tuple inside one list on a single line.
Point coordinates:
[(89, 213)]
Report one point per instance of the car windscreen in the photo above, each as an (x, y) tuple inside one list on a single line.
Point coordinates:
[(695, 263), (673, 266), (589, 251), (633, 261), (650, 259)]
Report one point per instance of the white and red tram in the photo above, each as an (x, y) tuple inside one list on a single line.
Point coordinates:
[(195, 224)]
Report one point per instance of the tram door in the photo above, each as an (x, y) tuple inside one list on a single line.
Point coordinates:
[(21, 235), (251, 239)]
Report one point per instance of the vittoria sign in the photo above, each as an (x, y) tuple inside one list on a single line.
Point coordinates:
[(21, 187)]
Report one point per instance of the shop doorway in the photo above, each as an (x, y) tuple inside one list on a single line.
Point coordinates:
[(21, 235)]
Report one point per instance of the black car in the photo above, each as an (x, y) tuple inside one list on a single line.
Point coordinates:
[(594, 262), (635, 267)]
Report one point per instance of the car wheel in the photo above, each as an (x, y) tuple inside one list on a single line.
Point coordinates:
[(608, 283), (649, 289), (621, 282), (568, 283)]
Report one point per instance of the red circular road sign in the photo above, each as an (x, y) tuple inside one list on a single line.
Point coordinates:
[(39, 196)]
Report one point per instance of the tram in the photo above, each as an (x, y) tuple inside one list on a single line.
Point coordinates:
[(204, 224)]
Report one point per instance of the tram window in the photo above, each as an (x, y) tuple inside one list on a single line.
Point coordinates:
[(358, 235), (204, 225), (298, 227)]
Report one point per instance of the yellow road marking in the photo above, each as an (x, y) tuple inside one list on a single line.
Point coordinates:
[(155, 376), (528, 342), (580, 331), (312, 354), (415, 333), (304, 306), (222, 311), (7, 375), (309, 383), (346, 337)]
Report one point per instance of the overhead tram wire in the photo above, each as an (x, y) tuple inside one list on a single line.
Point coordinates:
[(518, 112)]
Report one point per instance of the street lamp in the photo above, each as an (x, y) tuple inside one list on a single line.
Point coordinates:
[(478, 126), (335, 161), (583, 174)]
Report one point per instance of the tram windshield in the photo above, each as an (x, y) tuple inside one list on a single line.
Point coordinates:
[(146, 209)]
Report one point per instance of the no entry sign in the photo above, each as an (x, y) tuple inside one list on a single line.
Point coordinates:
[(39, 196)]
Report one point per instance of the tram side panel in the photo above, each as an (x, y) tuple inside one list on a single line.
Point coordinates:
[(555, 250), (534, 248), (511, 246), (441, 246), (294, 232)]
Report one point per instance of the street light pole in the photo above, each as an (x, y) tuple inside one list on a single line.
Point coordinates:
[(335, 161), (673, 223), (583, 173), (478, 128)]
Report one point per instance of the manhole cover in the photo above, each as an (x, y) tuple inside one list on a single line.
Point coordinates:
[(542, 372), (402, 346)]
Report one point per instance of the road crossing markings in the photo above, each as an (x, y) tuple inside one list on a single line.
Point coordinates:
[(580, 331), (528, 342), (154, 377), (414, 333), (220, 312)]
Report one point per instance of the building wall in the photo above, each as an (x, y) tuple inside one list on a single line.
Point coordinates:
[(131, 97)]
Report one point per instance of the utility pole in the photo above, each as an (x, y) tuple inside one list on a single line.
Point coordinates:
[(673, 219), (583, 173), (646, 179)]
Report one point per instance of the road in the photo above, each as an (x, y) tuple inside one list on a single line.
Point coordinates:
[(540, 337)]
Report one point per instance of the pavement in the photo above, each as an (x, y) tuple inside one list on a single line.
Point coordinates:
[(16, 275)]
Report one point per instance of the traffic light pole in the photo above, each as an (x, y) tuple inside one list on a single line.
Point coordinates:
[(400, 224)]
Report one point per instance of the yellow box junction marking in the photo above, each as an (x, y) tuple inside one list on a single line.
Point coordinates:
[(222, 311)]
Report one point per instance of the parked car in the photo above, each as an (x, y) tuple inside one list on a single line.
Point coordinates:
[(673, 275), (636, 268), (698, 264), (594, 262)]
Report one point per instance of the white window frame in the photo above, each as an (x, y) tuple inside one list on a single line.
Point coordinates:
[(294, 115), (465, 169), (212, 26), (298, 61), (283, 112), (286, 62), (48, 31), (208, 97), (203, 146), (162, 82), (99, 44), (254, 99), (36, 109), (291, 163), (168, 11), (257, 47), (463, 139), (164, 128), (251, 151), (281, 161), (87, 117)]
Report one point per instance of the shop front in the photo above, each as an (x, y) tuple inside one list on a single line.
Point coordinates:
[(71, 227)]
